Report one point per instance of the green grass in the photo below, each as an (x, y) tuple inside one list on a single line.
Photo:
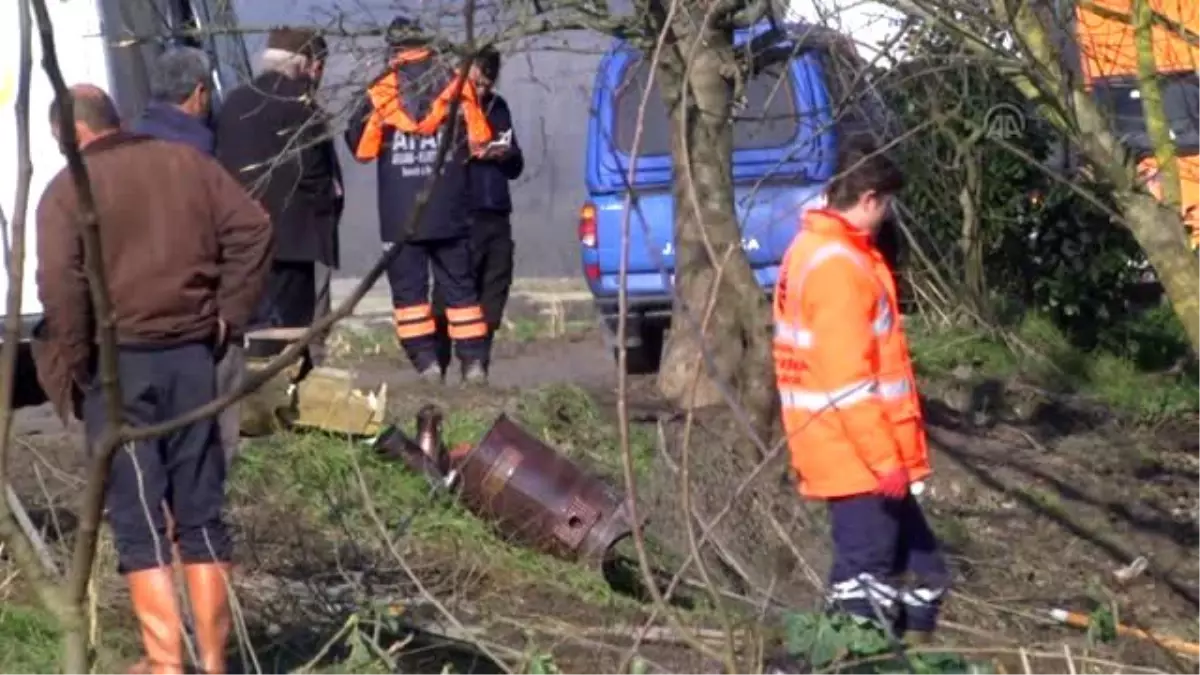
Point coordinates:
[(29, 640), (530, 329), (1053, 364), (315, 477)]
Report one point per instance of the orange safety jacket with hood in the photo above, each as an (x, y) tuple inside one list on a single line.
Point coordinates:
[(387, 103), (846, 386), (399, 124)]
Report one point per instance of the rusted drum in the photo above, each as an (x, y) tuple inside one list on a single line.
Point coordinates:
[(539, 498)]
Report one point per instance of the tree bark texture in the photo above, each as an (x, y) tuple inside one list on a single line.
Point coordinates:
[(972, 231), (714, 284)]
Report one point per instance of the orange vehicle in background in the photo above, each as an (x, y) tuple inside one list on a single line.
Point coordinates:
[(1108, 59)]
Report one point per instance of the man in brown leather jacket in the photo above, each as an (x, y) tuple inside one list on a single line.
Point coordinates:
[(185, 253)]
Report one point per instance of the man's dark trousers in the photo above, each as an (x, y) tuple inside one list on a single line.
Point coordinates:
[(290, 300), (408, 275), (185, 467), (876, 540), (323, 275), (290, 297), (492, 263)]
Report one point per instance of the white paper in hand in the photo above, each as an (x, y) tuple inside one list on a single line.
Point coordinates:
[(503, 141)]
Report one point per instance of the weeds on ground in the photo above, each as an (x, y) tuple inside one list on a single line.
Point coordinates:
[(529, 330), (1054, 364), (567, 418), (29, 641), (847, 644)]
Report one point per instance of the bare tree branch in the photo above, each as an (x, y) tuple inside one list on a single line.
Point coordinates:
[(15, 528)]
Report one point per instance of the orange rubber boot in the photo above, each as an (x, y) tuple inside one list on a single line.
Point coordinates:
[(152, 592), (208, 592)]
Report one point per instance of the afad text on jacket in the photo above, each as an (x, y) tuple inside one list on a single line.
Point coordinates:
[(399, 124), (847, 391)]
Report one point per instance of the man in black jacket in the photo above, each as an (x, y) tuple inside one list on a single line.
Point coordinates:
[(491, 207), (275, 139), (403, 118)]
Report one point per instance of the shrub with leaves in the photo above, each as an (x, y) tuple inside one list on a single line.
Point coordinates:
[(848, 644), (995, 207)]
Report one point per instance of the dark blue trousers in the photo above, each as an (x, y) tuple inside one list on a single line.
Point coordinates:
[(454, 275), (875, 542), (185, 468)]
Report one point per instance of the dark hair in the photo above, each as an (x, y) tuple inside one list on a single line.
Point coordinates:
[(94, 109), (488, 60), (177, 72), (862, 168)]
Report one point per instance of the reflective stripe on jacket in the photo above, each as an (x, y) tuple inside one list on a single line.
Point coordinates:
[(846, 386), (389, 109)]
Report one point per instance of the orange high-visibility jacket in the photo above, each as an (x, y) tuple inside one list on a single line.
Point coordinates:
[(846, 386)]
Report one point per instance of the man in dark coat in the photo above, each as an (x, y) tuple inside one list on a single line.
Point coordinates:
[(179, 110), (402, 119), (490, 208), (275, 139), (184, 258)]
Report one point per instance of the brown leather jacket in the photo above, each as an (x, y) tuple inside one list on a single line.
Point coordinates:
[(183, 245)]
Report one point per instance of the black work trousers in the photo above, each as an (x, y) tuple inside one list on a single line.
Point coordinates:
[(185, 468), (492, 270), (408, 275), (290, 297)]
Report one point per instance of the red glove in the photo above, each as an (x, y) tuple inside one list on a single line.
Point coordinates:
[(894, 484)]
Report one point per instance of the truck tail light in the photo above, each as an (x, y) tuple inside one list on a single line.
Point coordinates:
[(587, 225)]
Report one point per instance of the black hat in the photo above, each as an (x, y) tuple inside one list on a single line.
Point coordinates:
[(404, 32)]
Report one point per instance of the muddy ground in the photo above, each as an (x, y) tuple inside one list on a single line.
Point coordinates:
[(1039, 504)]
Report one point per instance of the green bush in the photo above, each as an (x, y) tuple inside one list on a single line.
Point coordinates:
[(1048, 244), (847, 644)]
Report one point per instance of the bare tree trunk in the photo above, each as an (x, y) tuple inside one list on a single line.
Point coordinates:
[(971, 240), (698, 92)]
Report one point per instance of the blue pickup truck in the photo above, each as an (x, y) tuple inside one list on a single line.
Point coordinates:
[(785, 147)]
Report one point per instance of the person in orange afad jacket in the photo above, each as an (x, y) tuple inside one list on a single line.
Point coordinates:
[(849, 401)]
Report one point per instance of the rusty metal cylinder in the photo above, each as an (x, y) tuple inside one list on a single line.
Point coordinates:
[(539, 498), (429, 437)]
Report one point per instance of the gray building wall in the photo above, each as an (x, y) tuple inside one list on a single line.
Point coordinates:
[(547, 82)]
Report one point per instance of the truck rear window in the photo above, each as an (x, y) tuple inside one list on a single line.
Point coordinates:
[(1181, 98), (767, 120)]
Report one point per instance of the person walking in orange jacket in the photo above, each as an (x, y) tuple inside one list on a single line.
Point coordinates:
[(850, 404)]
